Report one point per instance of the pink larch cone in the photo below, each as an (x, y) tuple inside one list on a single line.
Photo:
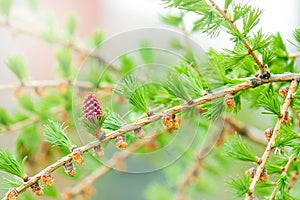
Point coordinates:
[(91, 108)]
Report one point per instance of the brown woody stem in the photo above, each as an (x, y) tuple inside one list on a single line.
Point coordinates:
[(176, 109), (269, 147)]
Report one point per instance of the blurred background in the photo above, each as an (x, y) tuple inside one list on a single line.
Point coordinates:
[(114, 17)]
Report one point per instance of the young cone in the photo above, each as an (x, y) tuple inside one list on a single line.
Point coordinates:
[(47, 178), (92, 115), (121, 142), (77, 156), (170, 122), (12, 194), (229, 101), (70, 169), (36, 189)]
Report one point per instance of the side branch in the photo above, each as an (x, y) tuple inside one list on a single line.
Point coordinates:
[(285, 170), (269, 147), (252, 82), (69, 44), (90, 179), (51, 84), (246, 44)]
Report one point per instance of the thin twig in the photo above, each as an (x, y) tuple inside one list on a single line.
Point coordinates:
[(193, 173), (244, 130), (252, 82), (284, 170), (295, 113), (293, 179), (76, 47), (52, 83), (90, 179), (31, 120), (246, 44), (271, 142), (294, 55)]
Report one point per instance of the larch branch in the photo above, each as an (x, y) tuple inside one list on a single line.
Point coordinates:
[(269, 147), (252, 82)]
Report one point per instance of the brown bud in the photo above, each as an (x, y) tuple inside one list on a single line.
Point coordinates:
[(36, 189), (287, 119), (229, 101), (268, 133), (139, 133), (67, 195), (62, 88), (40, 91), (264, 176), (12, 194), (170, 122), (69, 168), (47, 178), (17, 92), (99, 151), (87, 191), (251, 172), (284, 91), (121, 142), (77, 156), (151, 145)]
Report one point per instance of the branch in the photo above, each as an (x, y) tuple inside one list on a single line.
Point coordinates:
[(193, 173), (293, 179), (252, 82), (31, 120), (268, 150), (294, 55), (72, 45), (244, 131), (90, 179), (284, 170), (246, 44), (52, 83)]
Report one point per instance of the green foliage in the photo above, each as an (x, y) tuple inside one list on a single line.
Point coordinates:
[(9, 164), (282, 185), (146, 52), (12, 182), (174, 85), (297, 38), (172, 20), (97, 39), (286, 137), (63, 57), (28, 141), (27, 103), (51, 192), (113, 121), (240, 185), (251, 19), (126, 65), (56, 135), (5, 7), (237, 148), (17, 65), (93, 125), (131, 89), (273, 168), (192, 81), (214, 109), (71, 26), (227, 3), (269, 101), (5, 119)]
